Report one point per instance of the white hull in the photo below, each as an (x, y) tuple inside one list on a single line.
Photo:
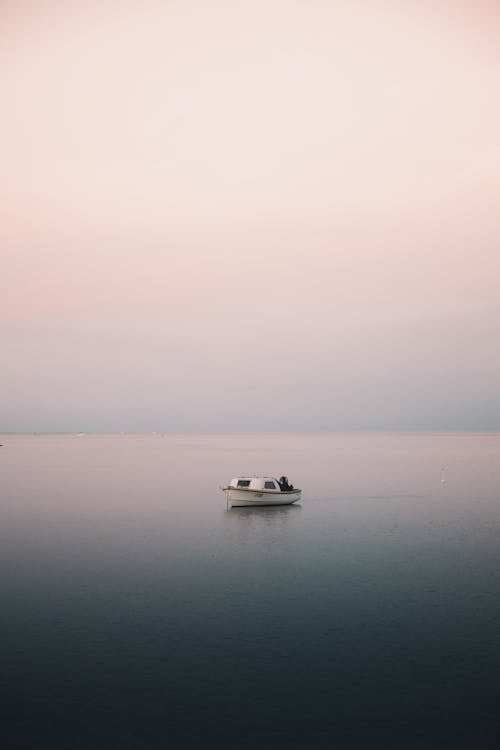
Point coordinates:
[(239, 498)]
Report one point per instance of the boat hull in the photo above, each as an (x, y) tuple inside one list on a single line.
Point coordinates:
[(239, 498)]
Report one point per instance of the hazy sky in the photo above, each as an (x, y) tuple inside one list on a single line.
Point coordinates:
[(228, 215)]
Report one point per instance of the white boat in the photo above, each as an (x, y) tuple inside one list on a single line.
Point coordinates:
[(245, 491)]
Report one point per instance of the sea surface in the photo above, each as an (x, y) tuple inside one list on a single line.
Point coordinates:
[(138, 612)]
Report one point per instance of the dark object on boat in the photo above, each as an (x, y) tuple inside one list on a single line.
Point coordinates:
[(284, 486)]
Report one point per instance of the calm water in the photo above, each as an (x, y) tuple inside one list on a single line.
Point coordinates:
[(137, 612)]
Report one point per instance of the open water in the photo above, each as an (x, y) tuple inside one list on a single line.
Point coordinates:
[(137, 612)]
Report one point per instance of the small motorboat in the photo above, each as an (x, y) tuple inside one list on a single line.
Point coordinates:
[(246, 491)]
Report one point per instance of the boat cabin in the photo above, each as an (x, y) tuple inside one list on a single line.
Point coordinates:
[(260, 484)]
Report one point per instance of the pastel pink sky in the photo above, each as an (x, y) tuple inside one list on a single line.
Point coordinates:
[(234, 215)]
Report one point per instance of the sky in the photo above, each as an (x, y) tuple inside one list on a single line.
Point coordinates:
[(244, 216)]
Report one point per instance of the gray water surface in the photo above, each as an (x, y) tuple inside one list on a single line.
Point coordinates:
[(138, 612)]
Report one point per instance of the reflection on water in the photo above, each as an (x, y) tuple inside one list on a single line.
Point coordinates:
[(138, 612), (265, 514)]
